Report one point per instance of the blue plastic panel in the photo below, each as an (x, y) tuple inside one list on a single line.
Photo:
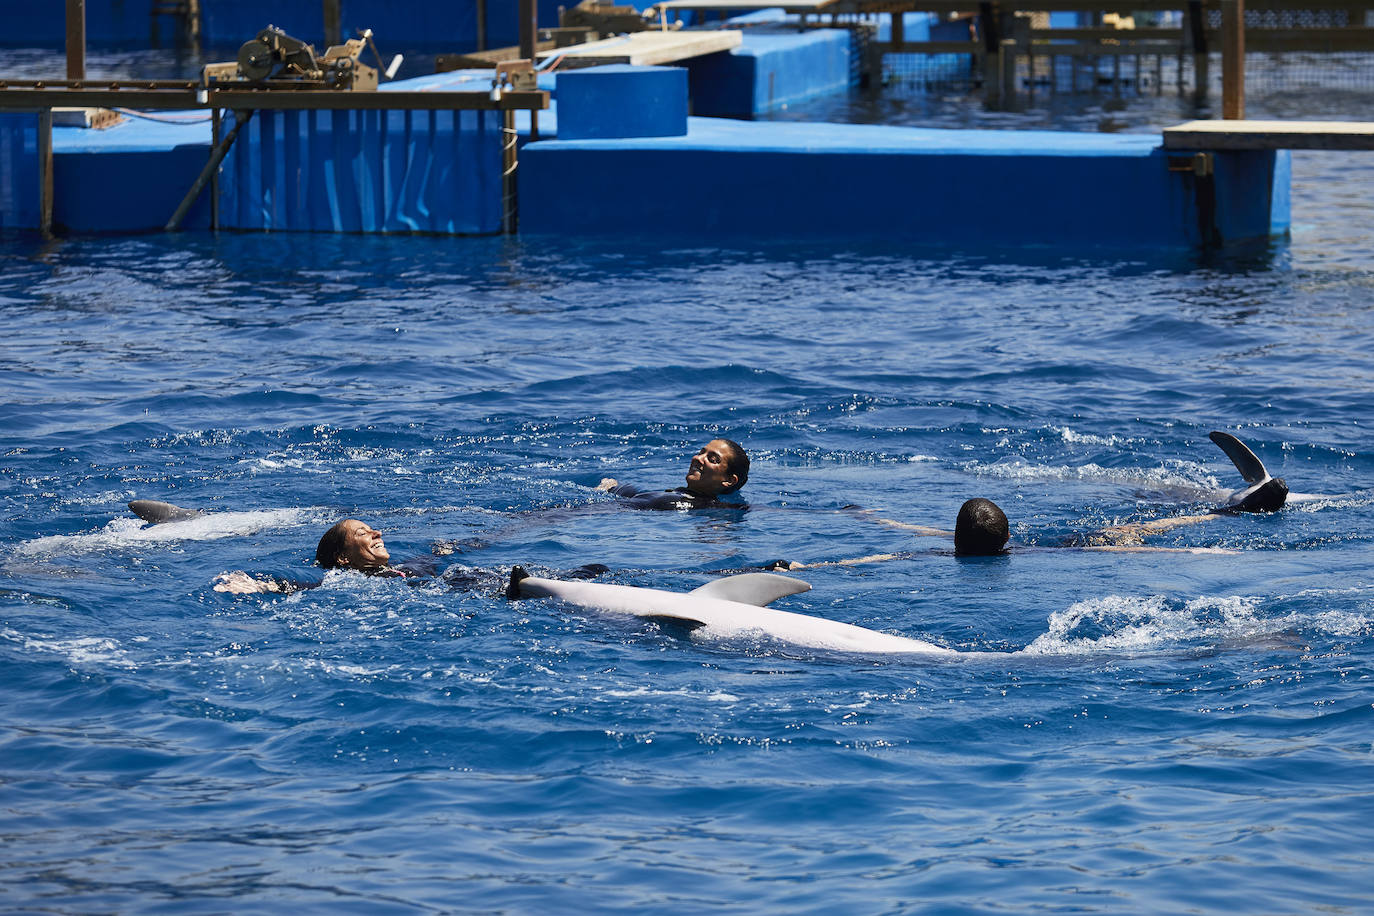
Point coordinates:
[(365, 171), (769, 72), (622, 101), (18, 171)]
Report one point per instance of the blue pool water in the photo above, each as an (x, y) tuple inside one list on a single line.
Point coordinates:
[(1158, 733)]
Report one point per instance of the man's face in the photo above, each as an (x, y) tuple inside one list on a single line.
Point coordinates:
[(709, 473), (363, 547)]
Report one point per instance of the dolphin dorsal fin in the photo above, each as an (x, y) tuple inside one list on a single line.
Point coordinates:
[(157, 512), (758, 589), (1251, 468)]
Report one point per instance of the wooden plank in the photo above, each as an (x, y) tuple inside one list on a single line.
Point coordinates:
[(647, 48), (1264, 135)]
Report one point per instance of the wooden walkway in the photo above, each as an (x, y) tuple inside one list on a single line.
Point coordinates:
[(646, 48), (1219, 135)]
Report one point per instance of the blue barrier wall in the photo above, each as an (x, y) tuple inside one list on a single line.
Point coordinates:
[(770, 71), (974, 188), (365, 171), (18, 171)]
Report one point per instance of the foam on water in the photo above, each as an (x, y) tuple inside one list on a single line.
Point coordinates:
[(128, 533)]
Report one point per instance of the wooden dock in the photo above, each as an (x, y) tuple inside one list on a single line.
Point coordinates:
[(646, 48), (1261, 135)]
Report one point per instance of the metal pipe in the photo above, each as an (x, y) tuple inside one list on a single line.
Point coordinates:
[(509, 163), (76, 39), (45, 186), (529, 27), (333, 23), (216, 157), (1233, 60)]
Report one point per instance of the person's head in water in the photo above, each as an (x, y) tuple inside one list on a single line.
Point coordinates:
[(720, 467), (981, 529), (1268, 497), (352, 544)]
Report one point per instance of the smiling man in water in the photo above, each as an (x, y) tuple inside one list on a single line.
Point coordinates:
[(720, 468)]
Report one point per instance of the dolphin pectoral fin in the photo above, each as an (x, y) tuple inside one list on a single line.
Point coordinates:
[(758, 589), (678, 626), (1251, 468), (156, 512)]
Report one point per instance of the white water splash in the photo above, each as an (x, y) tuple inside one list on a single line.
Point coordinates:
[(78, 651), (124, 533), (1116, 623)]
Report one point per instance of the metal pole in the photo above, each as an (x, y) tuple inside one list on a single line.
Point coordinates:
[(529, 26), (509, 199), (1233, 60), (1198, 34), (216, 157), (481, 25), (76, 39), (333, 23), (45, 171)]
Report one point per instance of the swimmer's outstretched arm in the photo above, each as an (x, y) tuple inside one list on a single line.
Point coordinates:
[(1134, 535), (893, 523), (853, 561)]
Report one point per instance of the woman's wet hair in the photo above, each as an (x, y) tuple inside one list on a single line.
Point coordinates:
[(981, 529), (739, 464), (331, 546)]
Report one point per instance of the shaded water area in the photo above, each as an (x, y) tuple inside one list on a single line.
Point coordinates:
[(1154, 732)]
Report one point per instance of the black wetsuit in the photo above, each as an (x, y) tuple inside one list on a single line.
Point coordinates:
[(679, 498), (425, 571)]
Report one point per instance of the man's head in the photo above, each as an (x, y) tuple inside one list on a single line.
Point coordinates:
[(352, 544), (720, 467), (981, 529)]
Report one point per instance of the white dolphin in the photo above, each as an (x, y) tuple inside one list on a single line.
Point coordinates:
[(733, 606)]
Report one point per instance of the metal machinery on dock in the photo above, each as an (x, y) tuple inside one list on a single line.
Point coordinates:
[(273, 72)]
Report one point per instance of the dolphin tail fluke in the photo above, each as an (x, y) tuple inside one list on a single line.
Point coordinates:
[(1251, 469), (156, 512), (517, 575)]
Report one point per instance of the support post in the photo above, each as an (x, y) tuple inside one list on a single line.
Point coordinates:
[(76, 39), (216, 126), (333, 23), (529, 28), (509, 197), (898, 30), (1007, 70), (990, 27), (1233, 60), (481, 25), (45, 186), (1197, 33)]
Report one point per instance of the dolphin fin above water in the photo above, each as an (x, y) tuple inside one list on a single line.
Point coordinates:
[(1266, 493), (156, 512), (758, 589)]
